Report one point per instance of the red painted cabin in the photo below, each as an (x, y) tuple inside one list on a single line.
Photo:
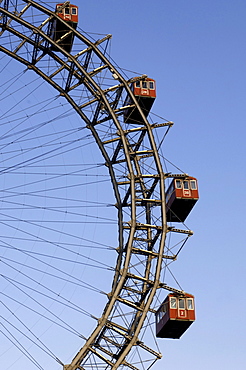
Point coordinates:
[(181, 197), (175, 315), (145, 93), (69, 13)]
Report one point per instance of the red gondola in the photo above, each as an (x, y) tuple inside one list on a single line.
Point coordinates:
[(175, 315), (181, 197), (145, 92), (68, 13)]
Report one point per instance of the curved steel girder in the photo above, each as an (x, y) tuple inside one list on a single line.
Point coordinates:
[(134, 171)]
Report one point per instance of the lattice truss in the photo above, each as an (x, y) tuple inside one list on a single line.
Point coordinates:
[(97, 91)]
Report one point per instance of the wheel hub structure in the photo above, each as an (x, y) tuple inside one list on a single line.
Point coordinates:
[(97, 90)]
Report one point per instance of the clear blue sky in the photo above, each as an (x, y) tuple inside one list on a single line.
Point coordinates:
[(195, 50)]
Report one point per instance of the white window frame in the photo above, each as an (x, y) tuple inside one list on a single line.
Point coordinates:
[(152, 88), (195, 183), (72, 9), (147, 86), (183, 300), (173, 298), (192, 300), (176, 185)]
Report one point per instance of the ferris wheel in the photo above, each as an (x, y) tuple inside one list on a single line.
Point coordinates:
[(65, 236)]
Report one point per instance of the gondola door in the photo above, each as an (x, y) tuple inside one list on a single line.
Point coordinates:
[(144, 88), (186, 189), (66, 14), (181, 309)]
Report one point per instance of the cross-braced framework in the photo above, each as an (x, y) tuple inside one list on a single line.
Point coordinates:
[(97, 91)]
